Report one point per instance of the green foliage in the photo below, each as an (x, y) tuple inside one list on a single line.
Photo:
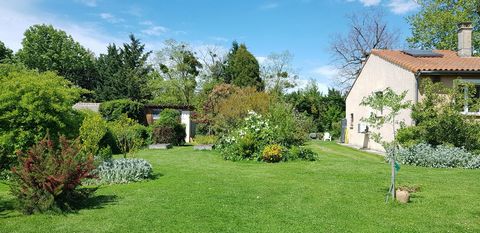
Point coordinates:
[(114, 109), (33, 104), (231, 111), (327, 111), (273, 153), (390, 104), (168, 129), (169, 134), (277, 72), (434, 26), (92, 131), (242, 68), (205, 139), (291, 128), (180, 68), (121, 171), (168, 117), (129, 135), (301, 153), (439, 119), (248, 141), (123, 72), (206, 117), (48, 49), (441, 156), (282, 126), (47, 179), (104, 153), (5, 53)]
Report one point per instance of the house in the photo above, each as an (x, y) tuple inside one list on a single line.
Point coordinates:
[(403, 71), (153, 111)]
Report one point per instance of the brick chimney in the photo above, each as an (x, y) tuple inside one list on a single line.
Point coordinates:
[(465, 39)]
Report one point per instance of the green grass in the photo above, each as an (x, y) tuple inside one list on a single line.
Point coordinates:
[(200, 192)]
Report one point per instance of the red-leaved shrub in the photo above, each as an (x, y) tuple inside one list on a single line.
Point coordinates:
[(47, 177)]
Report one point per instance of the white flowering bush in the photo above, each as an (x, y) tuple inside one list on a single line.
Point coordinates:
[(120, 171), (441, 156), (249, 140)]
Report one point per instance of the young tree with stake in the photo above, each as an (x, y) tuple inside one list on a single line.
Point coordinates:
[(390, 104)]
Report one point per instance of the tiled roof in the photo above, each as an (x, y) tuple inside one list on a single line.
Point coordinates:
[(450, 61)]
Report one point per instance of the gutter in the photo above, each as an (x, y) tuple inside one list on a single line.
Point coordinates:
[(448, 72)]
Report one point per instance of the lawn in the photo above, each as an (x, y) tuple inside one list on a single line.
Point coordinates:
[(200, 192)]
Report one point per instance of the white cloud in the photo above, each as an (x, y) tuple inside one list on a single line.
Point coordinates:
[(261, 59), (111, 18), (325, 71), (402, 6), (370, 2), (21, 18), (302, 83), (219, 38), (268, 6), (154, 30), (396, 6), (90, 3)]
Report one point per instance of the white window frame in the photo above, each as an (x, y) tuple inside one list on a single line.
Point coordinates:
[(156, 116), (466, 110)]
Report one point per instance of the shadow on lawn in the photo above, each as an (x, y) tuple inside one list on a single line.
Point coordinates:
[(97, 202), (6, 206)]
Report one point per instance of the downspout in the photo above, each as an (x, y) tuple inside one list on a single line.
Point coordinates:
[(417, 86), (417, 89)]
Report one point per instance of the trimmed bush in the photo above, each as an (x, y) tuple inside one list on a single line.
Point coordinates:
[(129, 135), (121, 171), (273, 153), (168, 129), (442, 156), (301, 153), (47, 179), (113, 110), (92, 131)]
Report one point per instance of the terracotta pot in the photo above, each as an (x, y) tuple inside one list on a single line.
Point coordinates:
[(402, 196)]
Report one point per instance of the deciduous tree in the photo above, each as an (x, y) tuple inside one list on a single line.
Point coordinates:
[(367, 31), (278, 73), (48, 49), (179, 67), (435, 25)]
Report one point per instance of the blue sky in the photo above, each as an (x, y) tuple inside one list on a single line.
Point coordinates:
[(304, 27)]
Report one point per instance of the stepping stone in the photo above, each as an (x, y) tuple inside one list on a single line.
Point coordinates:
[(203, 147), (164, 146)]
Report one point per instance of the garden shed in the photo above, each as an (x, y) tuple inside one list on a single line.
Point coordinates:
[(153, 112)]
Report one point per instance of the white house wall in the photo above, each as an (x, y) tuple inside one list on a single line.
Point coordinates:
[(377, 74)]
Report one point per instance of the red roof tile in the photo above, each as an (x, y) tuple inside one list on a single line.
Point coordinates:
[(450, 61)]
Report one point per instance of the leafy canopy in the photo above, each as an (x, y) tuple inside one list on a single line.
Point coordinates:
[(48, 49), (435, 25), (33, 104)]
